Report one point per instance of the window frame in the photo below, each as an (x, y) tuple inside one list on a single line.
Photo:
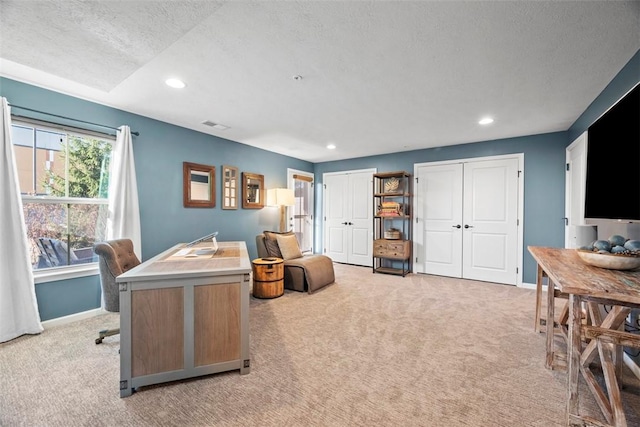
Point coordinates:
[(52, 274)]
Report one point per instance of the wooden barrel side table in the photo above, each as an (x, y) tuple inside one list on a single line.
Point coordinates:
[(268, 277)]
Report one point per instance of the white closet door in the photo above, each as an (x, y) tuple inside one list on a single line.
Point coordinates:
[(337, 217), (467, 220), (490, 221), (360, 225), (348, 211), (440, 219)]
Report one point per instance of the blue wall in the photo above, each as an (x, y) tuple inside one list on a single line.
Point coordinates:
[(544, 171), (161, 148), (624, 81), (159, 151)]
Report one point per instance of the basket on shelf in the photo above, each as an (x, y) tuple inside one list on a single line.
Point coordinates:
[(393, 234)]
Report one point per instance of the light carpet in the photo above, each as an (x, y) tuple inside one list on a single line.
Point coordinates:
[(369, 350)]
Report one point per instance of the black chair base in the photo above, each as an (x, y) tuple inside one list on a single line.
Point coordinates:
[(106, 333)]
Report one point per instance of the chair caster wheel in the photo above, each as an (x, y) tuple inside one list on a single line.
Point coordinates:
[(98, 340)]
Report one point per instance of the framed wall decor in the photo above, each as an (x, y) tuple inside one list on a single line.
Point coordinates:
[(252, 190), (230, 186), (198, 185)]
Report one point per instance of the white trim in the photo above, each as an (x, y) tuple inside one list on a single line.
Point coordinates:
[(531, 286), (291, 185), (56, 274), (64, 320)]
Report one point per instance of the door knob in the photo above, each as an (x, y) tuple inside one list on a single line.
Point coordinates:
[(350, 223), (457, 226), (468, 226), (344, 223)]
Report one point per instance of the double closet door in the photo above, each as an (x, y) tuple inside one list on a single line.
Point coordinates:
[(467, 219), (348, 214)]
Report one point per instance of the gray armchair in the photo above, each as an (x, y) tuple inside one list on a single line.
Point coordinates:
[(307, 273), (115, 258)]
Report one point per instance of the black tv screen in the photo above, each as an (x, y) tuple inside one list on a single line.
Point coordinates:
[(613, 162)]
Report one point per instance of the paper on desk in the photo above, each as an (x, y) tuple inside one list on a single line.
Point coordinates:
[(182, 252)]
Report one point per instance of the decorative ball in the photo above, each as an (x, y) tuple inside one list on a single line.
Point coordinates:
[(617, 240), (632, 245), (602, 245)]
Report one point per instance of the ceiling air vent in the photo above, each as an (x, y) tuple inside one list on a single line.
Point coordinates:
[(215, 125)]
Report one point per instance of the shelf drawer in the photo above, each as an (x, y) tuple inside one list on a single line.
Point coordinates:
[(394, 249)]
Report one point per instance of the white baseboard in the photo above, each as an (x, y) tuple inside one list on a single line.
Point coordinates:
[(529, 286), (72, 318)]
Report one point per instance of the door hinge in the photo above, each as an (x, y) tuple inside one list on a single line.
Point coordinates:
[(312, 184), (416, 220), (517, 269), (517, 222), (568, 167), (416, 179), (416, 259), (519, 172), (325, 186)]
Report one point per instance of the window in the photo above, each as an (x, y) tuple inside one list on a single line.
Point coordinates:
[(64, 177)]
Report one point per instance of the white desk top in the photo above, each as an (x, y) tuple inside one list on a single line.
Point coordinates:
[(231, 258)]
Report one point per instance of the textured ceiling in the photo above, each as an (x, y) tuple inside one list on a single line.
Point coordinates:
[(377, 77)]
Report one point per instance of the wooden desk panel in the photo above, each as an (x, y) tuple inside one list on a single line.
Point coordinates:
[(217, 323), (182, 318), (157, 331)]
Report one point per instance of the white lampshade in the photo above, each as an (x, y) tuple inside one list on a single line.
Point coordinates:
[(280, 197)]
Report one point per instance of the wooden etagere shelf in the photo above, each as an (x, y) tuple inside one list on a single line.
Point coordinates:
[(392, 223)]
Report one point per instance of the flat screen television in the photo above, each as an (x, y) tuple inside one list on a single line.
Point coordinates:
[(613, 162)]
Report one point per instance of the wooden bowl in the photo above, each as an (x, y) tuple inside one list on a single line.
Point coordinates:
[(610, 261)]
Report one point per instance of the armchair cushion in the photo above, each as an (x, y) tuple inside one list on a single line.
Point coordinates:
[(289, 247), (271, 242)]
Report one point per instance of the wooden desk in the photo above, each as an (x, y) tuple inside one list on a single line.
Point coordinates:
[(183, 316), (592, 286)]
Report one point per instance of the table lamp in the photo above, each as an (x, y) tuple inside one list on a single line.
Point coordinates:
[(281, 197)]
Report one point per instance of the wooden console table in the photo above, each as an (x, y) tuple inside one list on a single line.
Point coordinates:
[(593, 287), (184, 313)]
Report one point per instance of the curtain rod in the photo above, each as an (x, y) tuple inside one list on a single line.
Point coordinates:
[(68, 118)]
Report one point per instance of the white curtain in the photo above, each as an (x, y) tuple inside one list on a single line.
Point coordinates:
[(124, 212), (18, 306)]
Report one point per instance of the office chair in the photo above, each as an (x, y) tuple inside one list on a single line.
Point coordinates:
[(115, 258)]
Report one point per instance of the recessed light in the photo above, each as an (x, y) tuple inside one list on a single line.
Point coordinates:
[(175, 83), (486, 121), (331, 146)]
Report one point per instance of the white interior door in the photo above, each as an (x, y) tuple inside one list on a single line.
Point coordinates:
[(490, 229), (467, 221), (440, 215), (348, 212)]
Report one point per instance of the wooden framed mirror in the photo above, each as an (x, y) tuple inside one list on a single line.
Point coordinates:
[(230, 186), (198, 185), (252, 190)]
